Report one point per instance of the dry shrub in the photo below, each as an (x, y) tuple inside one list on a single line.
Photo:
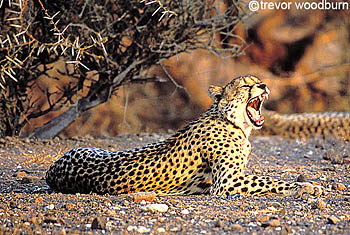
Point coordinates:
[(103, 45)]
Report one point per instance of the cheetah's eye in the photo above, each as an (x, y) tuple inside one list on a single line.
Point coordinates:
[(245, 86)]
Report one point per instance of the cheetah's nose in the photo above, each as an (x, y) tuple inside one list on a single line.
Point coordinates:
[(262, 86)]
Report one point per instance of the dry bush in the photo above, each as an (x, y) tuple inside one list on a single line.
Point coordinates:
[(103, 45)]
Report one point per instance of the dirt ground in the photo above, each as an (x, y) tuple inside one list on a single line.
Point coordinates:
[(27, 206)]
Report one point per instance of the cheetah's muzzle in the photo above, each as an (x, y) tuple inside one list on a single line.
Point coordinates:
[(254, 109)]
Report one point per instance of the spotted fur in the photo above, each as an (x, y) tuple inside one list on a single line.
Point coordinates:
[(305, 125), (207, 156)]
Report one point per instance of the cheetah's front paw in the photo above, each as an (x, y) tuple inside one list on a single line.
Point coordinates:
[(305, 187)]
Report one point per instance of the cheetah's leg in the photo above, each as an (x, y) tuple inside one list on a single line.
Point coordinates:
[(262, 185)]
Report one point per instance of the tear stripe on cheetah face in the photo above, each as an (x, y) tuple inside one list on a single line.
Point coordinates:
[(208, 155)]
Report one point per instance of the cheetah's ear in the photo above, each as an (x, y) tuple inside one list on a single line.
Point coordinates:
[(215, 92)]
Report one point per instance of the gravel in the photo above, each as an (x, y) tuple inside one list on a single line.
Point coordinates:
[(27, 206)]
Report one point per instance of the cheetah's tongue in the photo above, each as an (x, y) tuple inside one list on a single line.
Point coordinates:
[(254, 114), (253, 111)]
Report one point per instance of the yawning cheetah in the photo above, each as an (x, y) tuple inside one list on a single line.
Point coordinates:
[(209, 155)]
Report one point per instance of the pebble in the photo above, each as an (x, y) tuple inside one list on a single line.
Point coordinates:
[(156, 208), (283, 211), (50, 207), (276, 204), (161, 230), (301, 178), (131, 228), (257, 172), (143, 229), (175, 229), (219, 224), (285, 230), (98, 223), (38, 200), (140, 196), (319, 204), (333, 219), (185, 212), (273, 222), (139, 229), (50, 219), (338, 186), (236, 227), (21, 174), (346, 160), (26, 180), (69, 206), (262, 218)]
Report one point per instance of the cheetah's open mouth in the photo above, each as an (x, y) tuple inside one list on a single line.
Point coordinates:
[(254, 109)]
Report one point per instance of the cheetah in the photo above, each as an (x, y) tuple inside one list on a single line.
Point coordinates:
[(209, 155), (305, 125)]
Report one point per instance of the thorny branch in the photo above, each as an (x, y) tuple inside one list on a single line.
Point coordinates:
[(104, 45)]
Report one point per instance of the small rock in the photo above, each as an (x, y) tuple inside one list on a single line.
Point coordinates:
[(131, 228), (140, 196), (319, 204), (304, 197), (346, 160), (13, 204), (126, 203), (275, 222), (257, 172), (21, 174), (143, 229), (62, 232), (185, 212), (143, 202), (161, 230), (285, 230), (98, 223), (38, 200), (26, 180), (338, 186), (333, 219), (236, 227), (219, 224), (155, 208), (301, 178), (50, 207), (262, 218), (283, 211), (69, 206), (175, 229), (275, 204), (50, 219)]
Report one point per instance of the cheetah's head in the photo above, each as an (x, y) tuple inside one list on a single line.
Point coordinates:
[(240, 101)]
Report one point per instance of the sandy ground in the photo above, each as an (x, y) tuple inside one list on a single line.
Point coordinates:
[(27, 206)]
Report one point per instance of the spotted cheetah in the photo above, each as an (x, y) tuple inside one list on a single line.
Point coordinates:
[(209, 155), (305, 125)]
